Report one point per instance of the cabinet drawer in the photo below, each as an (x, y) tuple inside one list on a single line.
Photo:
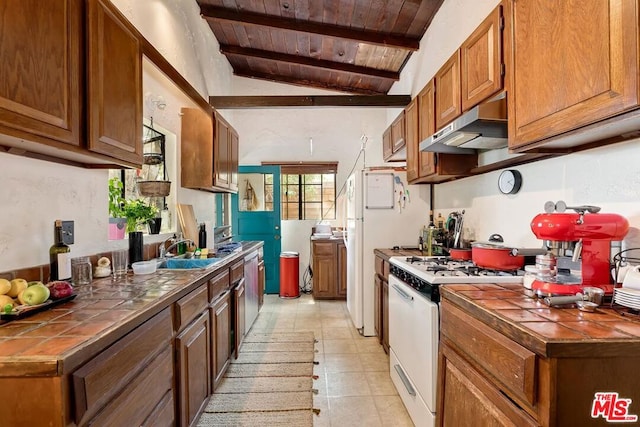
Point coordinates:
[(164, 414), (190, 306), (324, 248), (139, 399), (508, 362), (237, 271), (218, 284), (106, 375)]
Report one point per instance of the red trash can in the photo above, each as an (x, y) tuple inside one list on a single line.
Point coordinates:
[(289, 275)]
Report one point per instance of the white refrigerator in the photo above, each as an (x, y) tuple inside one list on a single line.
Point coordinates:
[(382, 211)]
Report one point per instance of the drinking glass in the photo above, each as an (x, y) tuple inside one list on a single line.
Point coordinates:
[(81, 271), (119, 259)]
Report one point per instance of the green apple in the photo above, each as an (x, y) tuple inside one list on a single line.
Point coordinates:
[(35, 282), (36, 294)]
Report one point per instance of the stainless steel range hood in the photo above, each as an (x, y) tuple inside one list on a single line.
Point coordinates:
[(484, 127)]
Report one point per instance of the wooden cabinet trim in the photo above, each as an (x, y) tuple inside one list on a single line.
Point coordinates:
[(510, 363)]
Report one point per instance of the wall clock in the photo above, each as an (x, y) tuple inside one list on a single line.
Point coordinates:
[(509, 181)]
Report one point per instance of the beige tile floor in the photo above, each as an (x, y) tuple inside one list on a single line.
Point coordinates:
[(354, 387)]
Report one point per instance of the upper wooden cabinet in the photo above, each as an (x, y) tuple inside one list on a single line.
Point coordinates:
[(394, 140), (42, 93), (481, 69), (570, 67), (209, 151), (447, 82), (40, 88), (115, 84), (426, 167)]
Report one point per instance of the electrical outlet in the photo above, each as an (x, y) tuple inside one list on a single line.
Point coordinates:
[(67, 232)]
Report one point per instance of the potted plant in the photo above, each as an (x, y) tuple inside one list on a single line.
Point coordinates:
[(117, 219), (138, 213)]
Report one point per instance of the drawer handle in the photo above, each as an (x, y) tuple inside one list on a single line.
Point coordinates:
[(402, 293), (404, 380)]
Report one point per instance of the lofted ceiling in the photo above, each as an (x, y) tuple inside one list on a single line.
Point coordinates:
[(353, 46)]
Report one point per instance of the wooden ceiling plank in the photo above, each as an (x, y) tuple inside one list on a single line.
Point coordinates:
[(406, 15), (255, 19), (230, 102), (345, 14), (423, 18), (360, 11), (310, 62)]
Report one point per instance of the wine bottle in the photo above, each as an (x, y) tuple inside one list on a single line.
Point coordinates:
[(202, 236), (59, 256)]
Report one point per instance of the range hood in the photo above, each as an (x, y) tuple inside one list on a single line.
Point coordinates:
[(484, 127)]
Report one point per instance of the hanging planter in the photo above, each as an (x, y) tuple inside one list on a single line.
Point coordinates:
[(154, 188)]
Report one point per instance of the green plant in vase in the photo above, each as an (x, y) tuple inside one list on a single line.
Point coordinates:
[(138, 213)]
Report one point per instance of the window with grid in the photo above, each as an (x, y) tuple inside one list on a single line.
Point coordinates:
[(308, 190)]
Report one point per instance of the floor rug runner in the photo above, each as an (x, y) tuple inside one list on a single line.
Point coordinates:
[(270, 383)]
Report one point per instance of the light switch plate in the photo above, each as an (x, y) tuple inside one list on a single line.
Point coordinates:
[(67, 232)]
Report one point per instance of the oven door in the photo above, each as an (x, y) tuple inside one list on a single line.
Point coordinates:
[(413, 337)]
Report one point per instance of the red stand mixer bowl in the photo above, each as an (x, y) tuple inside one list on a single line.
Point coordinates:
[(460, 254)]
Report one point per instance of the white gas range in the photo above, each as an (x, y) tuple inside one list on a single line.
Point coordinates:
[(414, 324)]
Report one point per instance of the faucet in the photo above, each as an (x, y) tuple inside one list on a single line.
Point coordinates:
[(162, 251)]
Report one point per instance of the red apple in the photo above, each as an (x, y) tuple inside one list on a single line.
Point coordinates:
[(60, 289)]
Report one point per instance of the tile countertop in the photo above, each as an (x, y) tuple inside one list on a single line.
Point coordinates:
[(547, 331), (58, 340)]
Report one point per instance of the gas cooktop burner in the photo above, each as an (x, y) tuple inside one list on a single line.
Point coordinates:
[(439, 270)]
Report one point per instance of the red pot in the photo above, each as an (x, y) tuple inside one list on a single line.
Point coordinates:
[(495, 257), (460, 254)]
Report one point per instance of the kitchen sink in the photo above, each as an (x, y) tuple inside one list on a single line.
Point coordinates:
[(182, 263)]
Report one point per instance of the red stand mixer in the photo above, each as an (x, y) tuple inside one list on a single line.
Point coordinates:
[(588, 234)]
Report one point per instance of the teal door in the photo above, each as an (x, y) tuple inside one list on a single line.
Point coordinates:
[(256, 216)]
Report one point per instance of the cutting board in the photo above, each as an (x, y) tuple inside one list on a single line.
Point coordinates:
[(188, 222)]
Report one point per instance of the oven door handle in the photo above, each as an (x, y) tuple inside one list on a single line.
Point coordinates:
[(402, 293), (405, 380)]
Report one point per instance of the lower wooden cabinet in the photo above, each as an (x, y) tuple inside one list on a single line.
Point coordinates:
[(329, 269), (261, 283), (239, 303), (193, 362), (220, 313), (381, 302)]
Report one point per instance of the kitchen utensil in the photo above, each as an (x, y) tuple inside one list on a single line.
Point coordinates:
[(460, 254), (494, 255), (587, 306), (632, 278), (593, 294), (144, 267)]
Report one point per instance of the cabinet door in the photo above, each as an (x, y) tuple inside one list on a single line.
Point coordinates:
[(426, 127), (324, 269), (341, 284), (447, 82), (115, 84), (481, 61), (196, 148), (221, 330), (572, 66), (398, 132), (387, 144), (377, 306), (222, 153), (385, 316), (239, 298), (484, 404), (42, 72), (192, 351), (234, 142), (412, 139)]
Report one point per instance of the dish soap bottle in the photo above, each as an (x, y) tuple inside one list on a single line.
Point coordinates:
[(59, 256)]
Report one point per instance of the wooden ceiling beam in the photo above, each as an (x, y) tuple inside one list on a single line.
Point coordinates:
[(250, 18), (231, 102), (309, 62)]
